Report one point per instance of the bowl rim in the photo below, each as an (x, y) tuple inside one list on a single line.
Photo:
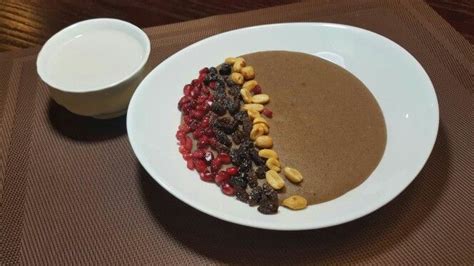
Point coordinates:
[(41, 59)]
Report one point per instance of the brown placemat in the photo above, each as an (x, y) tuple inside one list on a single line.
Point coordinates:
[(72, 192)]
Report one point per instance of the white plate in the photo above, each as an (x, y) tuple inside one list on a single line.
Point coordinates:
[(398, 82)]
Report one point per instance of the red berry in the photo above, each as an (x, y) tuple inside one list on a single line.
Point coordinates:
[(212, 140), (198, 154), (216, 165), (224, 158), (187, 156), (204, 70), (187, 89), (184, 128), (182, 149), (195, 82), (221, 177), (198, 133), (256, 90), (228, 189), (180, 135), (206, 176), (195, 92), (232, 170), (190, 164), (203, 142), (200, 165), (267, 112), (201, 77), (189, 144)]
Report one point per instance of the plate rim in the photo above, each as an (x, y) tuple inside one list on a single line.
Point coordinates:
[(302, 227)]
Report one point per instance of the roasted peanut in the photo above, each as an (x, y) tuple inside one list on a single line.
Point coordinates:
[(253, 114), (265, 128), (230, 60), (295, 202), (274, 179), (238, 64), (253, 106), (273, 164), (260, 120), (248, 72), (246, 96), (237, 78), (293, 175), (261, 98), (256, 132), (267, 153), (264, 142), (249, 85)]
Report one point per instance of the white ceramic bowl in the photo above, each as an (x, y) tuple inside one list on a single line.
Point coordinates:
[(400, 85), (94, 66)]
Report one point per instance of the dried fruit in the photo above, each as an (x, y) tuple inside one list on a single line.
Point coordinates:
[(295, 202), (225, 69), (255, 196), (268, 208)]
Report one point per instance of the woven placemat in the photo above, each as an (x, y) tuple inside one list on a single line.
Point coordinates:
[(72, 192)]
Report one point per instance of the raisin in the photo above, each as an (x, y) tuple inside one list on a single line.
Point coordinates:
[(220, 93), (221, 148), (257, 160), (245, 166), (260, 172), (225, 69), (269, 194), (238, 136), (218, 108), (234, 155), (222, 137), (235, 91), (252, 180), (226, 124), (213, 70), (268, 207), (247, 125), (255, 196), (242, 195), (233, 105), (239, 116), (238, 181), (229, 82)]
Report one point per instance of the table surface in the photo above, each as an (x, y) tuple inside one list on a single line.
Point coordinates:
[(25, 24)]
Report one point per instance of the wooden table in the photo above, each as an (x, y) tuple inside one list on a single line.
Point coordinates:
[(25, 24)]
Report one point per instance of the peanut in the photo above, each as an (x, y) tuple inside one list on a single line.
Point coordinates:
[(293, 175), (274, 179), (253, 106), (237, 78), (267, 153), (246, 96), (238, 64), (261, 98), (260, 120), (253, 114), (256, 132), (273, 164), (249, 85), (264, 142), (295, 202), (265, 128), (248, 72), (230, 60)]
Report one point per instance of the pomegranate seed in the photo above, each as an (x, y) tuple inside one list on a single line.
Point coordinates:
[(208, 156), (267, 112), (221, 177), (189, 143), (198, 114), (203, 142), (212, 85), (180, 135), (182, 149), (195, 92), (206, 176), (187, 156), (184, 128), (198, 133), (200, 165), (187, 120), (228, 189), (208, 132), (187, 89), (216, 165), (195, 82), (232, 170), (224, 158), (204, 70), (190, 164), (256, 90), (201, 77), (212, 140), (198, 154), (205, 91)]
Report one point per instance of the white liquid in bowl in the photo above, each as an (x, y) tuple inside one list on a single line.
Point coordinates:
[(95, 59)]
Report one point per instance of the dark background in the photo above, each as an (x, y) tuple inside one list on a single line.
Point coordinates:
[(25, 24)]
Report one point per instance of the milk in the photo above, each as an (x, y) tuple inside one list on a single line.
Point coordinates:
[(95, 59)]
